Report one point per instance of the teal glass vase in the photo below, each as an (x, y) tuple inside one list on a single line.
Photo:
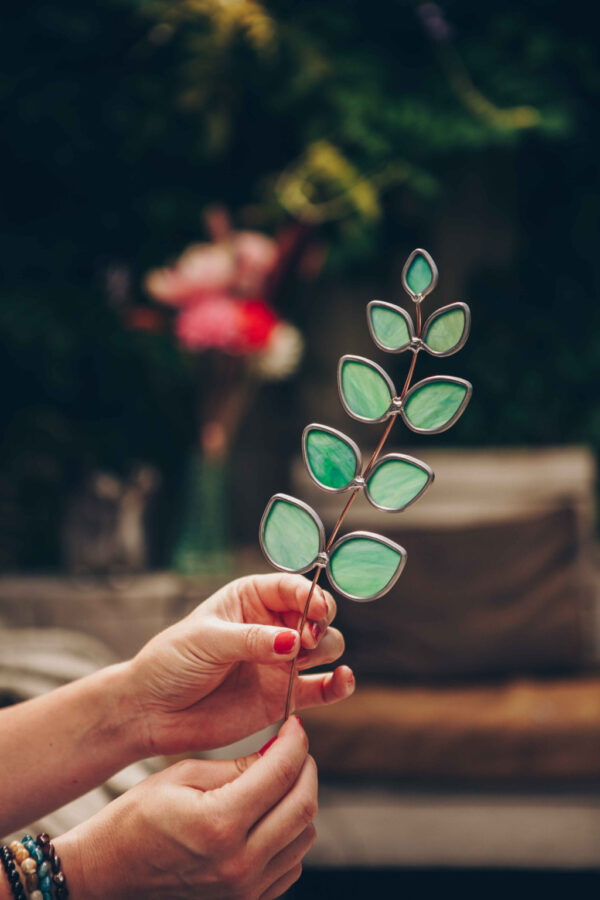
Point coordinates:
[(203, 545)]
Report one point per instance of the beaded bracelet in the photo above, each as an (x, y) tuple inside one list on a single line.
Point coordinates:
[(12, 873), (39, 886)]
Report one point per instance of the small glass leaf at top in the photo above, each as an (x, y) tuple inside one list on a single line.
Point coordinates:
[(447, 329), (397, 480), (363, 566), (332, 459), (366, 391), (291, 534), (419, 275), (435, 404), (390, 326)]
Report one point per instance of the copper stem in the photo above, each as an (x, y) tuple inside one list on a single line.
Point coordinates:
[(344, 512)]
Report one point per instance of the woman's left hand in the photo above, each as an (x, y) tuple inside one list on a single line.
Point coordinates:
[(222, 673)]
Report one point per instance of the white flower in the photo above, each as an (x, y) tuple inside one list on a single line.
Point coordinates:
[(281, 356)]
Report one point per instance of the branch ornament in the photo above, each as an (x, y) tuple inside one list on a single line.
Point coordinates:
[(362, 565)]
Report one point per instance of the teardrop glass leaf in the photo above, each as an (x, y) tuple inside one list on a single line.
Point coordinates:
[(332, 459), (446, 330), (363, 566), (419, 276), (435, 404), (391, 326), (396, 481), (291, 534), (365, 389)]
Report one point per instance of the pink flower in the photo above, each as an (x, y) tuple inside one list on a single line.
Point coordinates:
[(230, 324), (255, 258), (201, 268), (211, 322)]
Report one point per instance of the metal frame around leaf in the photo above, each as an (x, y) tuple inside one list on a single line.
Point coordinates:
[(380, 539), (431, 379), (438, 312), (403, 457), (302, 505), (314, 426), (397, 309), (391, 410), (434, 272)]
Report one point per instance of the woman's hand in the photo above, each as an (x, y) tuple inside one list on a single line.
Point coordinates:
[(221, 673), (217, 830)]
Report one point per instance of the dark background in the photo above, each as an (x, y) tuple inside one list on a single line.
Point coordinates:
[(124, 119)]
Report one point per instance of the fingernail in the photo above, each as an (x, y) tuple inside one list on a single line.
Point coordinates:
[(284, 642), (301, 722), (267, 745), (316, 628)]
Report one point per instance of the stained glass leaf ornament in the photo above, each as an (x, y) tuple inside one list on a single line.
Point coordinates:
[(446, 330), (291, 534), (390, 326), (397, 480), (363, 566), (367, 392), (419, 275), (332, 459), (435, 404)]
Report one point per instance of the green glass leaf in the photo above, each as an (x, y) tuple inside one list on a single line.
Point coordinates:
[(419, 276), (291, 534), (435, 404), (363, 566), (365, 389), (332, 459), (391, 326), (447, 329), (396, 481)]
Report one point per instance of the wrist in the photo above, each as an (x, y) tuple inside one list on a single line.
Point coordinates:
[(119, 714)]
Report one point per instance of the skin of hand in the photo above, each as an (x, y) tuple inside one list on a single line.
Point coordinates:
[(216, 676), (224, 830)]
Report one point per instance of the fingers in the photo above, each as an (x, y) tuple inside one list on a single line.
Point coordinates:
[(232, 641), (288, 819), (281, 593), (268, 779), (329, 648), (291, 856), (282, 885), (316, 690)]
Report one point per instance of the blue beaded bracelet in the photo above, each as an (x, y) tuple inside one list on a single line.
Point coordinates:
[(43, 868)]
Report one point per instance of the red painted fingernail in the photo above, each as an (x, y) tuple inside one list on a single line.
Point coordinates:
[(284, 642), (301, 722), (267, 745)]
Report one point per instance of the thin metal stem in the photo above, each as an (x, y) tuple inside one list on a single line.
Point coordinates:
[(288, 702), (343, 514)]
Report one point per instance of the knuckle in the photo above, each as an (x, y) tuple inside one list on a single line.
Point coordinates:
[(286, 772), (308, 808), (253, 639)]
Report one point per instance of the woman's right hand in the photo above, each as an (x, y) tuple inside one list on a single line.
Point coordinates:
[(212, 830)]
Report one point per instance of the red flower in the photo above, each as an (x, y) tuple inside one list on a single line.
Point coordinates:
[(257, 322)]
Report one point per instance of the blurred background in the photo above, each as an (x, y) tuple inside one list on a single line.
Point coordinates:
[(200, 197)]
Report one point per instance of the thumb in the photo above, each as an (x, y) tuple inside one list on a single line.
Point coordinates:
[(210, 774), (232, 641)]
